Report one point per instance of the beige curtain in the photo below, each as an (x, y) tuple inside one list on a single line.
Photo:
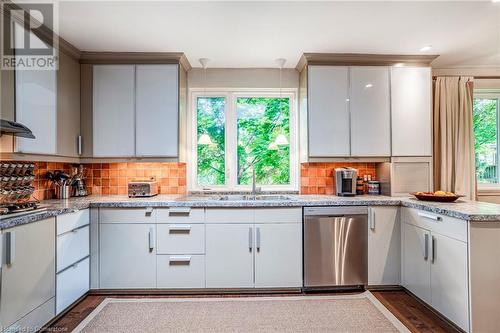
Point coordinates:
[(454, 161)]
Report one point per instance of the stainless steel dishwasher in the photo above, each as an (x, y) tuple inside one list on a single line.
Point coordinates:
[(335, 247)]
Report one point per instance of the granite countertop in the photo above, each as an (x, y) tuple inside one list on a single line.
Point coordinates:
[(462, 209)]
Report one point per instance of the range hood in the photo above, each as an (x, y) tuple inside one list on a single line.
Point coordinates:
[(16, 129)]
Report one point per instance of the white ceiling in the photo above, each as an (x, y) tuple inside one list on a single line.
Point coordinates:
[(253, 34)]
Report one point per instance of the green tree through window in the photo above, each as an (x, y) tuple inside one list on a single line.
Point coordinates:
[(211, 158), (485, 139), (253, 125), (260, 121)]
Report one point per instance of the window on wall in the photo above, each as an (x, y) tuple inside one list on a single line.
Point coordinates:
[(211, 136), (486, 124), (240, 133)]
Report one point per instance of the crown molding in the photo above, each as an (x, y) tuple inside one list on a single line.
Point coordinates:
[(359, 59), (135, 58)]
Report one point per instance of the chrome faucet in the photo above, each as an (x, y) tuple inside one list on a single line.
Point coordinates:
[(255, 189)]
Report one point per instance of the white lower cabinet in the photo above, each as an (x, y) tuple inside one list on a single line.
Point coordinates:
[(435, 263), (181, 238), (73, 258), (278, 256), (416, 267), (261, 255), (449, 279), (180, 271), (186, 248), (127, 255), (384, 246), (229, 255), (72, 246), (28, 276), (71, 284)]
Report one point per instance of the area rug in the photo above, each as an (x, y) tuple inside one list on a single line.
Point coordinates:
[(338, 313)]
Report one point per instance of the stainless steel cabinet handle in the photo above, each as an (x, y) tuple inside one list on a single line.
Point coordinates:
[(426, 246), (151, 236), (372, 219), (179, 211), (429, 216), (184, 259), (149, 211), (250, 239), (258, 239), (79, 144), (432, 248), (179, 227), (10, 255)]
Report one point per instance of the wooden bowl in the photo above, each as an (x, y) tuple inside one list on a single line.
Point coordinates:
[(436, 198)]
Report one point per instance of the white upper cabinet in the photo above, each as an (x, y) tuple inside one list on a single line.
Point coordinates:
[(370, 111), (136, 110), (157, 110), (328, 115), (36, 103), (36, 108), (411, 111), (114, 111)]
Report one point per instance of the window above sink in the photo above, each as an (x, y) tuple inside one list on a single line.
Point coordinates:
[(235, 131)]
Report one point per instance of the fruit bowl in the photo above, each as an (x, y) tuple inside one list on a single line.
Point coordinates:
[(429, 196)]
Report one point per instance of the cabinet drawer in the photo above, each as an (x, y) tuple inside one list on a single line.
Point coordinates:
[(127, 215), (72, 246), (180, 271), (71, 221), (38, 317), (444, 225), (71, 284), (180, 215), (181, 238), (278, 215), (229, 215)]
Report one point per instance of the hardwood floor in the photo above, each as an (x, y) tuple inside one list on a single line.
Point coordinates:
[(413, 314), (405, 307)]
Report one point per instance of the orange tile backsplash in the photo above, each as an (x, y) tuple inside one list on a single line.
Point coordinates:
[(318, 178), (44, 190), (112, 178)]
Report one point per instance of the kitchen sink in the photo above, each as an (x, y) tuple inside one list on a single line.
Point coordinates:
[(249, 197)]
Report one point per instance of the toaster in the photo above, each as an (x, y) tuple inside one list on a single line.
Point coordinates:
[(142, 187)]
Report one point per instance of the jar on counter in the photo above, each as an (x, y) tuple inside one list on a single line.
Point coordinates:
[(374, 187)]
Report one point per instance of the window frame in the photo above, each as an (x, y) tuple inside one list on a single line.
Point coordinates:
[(230, 130), (484, 188)]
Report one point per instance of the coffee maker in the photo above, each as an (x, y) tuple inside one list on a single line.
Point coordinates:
[(345, 181)]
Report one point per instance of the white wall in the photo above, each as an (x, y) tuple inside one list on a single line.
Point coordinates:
[(243, 78)]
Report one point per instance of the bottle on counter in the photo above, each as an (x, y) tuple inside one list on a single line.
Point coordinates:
[(360, 186), (365, 184)]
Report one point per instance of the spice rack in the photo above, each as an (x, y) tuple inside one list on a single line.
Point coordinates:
[(16, 181)]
